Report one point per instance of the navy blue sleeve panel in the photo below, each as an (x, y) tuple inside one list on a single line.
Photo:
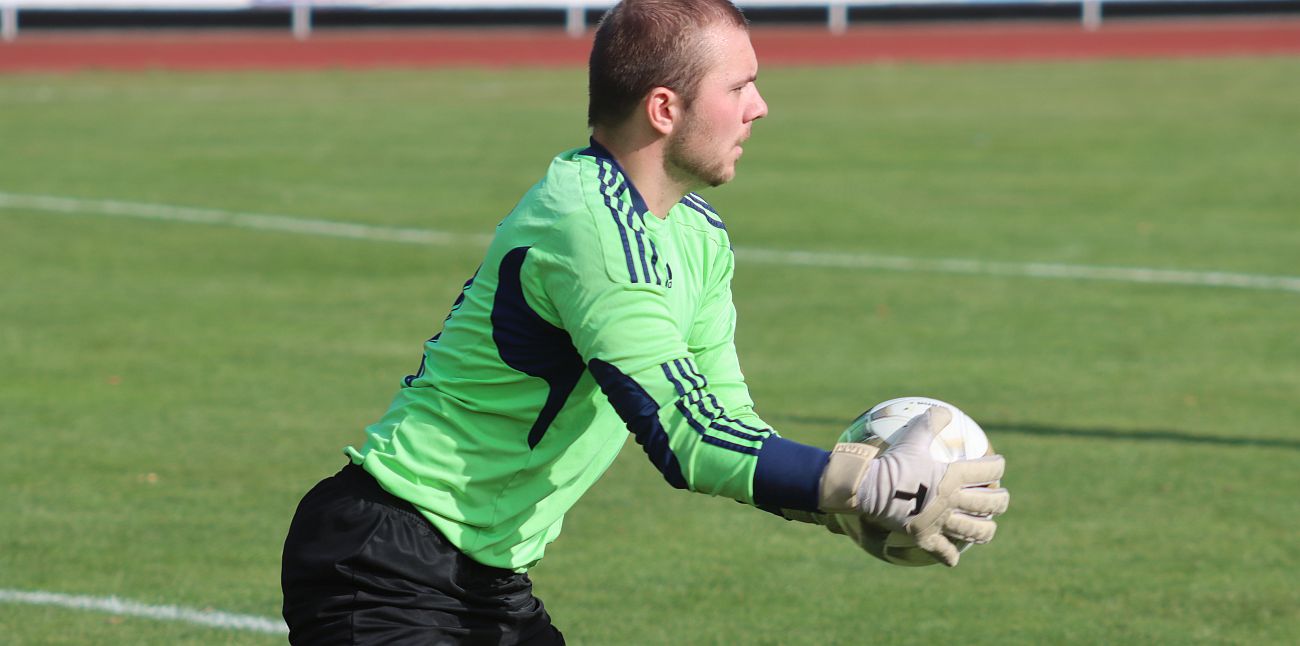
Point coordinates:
[(789, 474), (641, 414)]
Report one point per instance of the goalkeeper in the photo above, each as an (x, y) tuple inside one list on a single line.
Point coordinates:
[(603, 306)]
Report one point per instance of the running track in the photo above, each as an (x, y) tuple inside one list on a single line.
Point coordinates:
[(45, 52)]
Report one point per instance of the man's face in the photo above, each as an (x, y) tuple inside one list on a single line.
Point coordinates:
[(704, 147)]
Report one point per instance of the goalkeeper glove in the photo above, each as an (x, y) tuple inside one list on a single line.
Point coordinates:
[(904, 488)]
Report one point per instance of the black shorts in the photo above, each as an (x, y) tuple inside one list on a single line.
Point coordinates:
[(364, 567)]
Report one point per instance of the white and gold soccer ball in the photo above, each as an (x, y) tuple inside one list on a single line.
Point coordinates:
[(961, 439)]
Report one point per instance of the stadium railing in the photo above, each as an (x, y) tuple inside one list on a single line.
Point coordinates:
[(575, 11)]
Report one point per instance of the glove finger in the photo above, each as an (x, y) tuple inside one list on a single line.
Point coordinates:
[(938, 546), (977, 471), (960, 527), (924, 427), (981, 501)]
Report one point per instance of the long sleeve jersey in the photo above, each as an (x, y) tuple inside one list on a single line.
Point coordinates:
[(590, 317)]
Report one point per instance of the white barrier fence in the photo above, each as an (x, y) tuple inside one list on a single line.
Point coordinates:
[(300, 11)]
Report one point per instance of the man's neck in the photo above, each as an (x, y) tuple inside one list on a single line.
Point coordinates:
[(642, 159)]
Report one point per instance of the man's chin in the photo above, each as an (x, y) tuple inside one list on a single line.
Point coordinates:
[(719, 175), (723, 177), (701, 177)]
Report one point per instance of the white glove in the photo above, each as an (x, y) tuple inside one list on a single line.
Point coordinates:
[(906, 489)]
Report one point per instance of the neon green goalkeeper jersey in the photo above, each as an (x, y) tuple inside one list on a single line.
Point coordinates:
[(590, 317)]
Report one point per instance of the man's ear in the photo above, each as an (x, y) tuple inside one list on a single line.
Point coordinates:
[(663, 109)]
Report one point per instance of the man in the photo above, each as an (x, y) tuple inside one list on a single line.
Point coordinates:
[(603, 305)]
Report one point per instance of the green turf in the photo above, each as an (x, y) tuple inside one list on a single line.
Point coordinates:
[(170, 390)]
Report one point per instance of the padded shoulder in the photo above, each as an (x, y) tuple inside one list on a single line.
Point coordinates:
[(617, 220)]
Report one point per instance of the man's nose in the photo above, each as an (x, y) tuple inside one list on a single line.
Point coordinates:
[(759, 109)]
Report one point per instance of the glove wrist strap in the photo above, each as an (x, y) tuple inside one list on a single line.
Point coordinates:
[(843, 476)]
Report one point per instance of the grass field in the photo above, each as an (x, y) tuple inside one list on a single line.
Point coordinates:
[(170, 389)]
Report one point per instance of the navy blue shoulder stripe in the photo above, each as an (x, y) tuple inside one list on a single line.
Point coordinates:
[(606, 176), (699, 201), (603, 156), (654, 262), (698, 204), (643, 261)]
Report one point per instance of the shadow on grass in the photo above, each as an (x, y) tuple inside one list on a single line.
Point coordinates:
[(1038, 430)]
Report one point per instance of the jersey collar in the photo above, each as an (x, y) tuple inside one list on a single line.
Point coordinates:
[(595, 149)]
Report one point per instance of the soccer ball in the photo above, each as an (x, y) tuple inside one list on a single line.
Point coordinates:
[(961, 439)]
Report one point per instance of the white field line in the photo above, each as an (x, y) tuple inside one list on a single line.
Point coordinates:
[(116, 606), (844, 260), (261, 221), (1025, 269)]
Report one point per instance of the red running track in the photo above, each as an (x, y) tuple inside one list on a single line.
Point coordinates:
[(775, 45)]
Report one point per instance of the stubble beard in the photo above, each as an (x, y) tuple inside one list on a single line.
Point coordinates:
[(690, 160)]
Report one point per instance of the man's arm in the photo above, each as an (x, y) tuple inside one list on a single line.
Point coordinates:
[(698, 427), (712, 340), (692, 416)]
